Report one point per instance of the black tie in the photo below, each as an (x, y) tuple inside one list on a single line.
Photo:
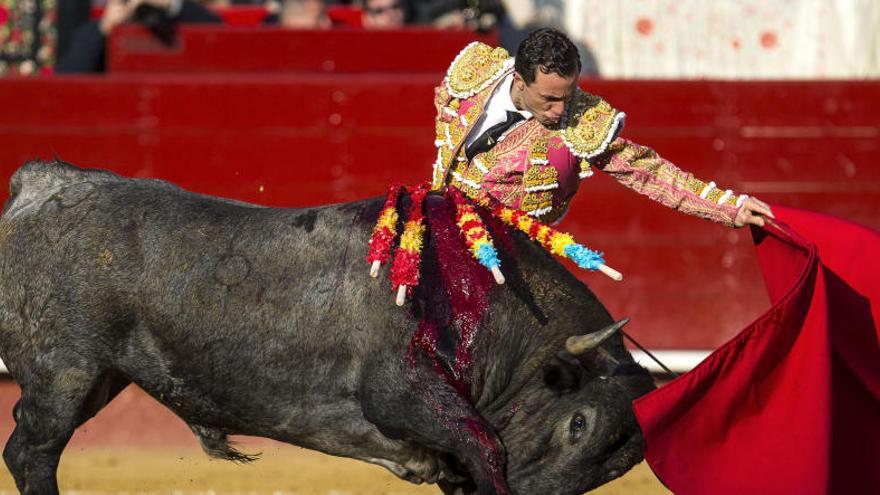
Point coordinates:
[(489, 138)]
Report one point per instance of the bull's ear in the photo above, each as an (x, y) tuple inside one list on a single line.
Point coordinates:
[(562, 376)]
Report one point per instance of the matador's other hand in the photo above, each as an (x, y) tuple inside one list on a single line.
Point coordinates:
[(752, 212)]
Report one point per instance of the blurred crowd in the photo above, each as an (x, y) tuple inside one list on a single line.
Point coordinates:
[(69, 36), (385, 14), (691, 39)]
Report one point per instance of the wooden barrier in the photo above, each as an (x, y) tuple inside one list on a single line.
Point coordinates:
[(304, 140)]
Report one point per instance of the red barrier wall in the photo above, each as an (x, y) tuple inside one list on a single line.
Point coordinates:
[(301, 140), (207, 48)]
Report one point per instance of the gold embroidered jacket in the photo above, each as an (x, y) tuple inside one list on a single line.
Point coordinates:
[(538, 169)]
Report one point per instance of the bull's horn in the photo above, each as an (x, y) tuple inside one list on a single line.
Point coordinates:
[(578, 344)]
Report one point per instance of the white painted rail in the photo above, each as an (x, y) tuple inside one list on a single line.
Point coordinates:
[(679, 361)]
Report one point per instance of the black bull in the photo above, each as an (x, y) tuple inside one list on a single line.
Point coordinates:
[(262, 321)]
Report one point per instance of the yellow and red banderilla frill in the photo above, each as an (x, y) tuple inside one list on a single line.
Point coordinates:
[(385, 231), (557, 242), (407, 258), (475, 235)]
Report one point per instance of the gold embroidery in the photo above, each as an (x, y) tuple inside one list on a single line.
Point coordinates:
[(549, 176), (445, 157), (715, 195), (540, 177), (586, 169), (669, 183), (455, 135), (449, 136), (465, 179), (446, 154), (695, 185), (537, 201), (532, 177), (440, 131), (489, 158), (590, 125), (475, 68), (475, 174), (465, 187), (456, 183), (538, 151)]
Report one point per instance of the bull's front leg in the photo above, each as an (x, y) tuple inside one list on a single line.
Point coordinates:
[(416, 401)]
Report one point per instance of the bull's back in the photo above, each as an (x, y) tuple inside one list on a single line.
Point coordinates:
[(156, 274)]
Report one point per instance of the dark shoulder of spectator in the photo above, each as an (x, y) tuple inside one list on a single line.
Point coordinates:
[(87, 50)]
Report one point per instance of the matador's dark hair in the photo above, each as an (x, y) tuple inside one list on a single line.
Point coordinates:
[(550, 51)]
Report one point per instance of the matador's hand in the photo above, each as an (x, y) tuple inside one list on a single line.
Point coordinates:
[(752, 212)]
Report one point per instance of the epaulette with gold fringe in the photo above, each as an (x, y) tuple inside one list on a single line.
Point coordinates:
[(589, 126), (475, 69)]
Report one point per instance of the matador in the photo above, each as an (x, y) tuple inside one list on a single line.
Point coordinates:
[(522, 131)]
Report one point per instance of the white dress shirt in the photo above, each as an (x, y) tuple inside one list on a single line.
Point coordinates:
[(496, 111)]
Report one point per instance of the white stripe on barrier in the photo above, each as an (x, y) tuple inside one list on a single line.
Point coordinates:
[(679, 361)]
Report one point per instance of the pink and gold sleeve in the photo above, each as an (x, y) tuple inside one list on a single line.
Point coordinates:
[(641, 169)]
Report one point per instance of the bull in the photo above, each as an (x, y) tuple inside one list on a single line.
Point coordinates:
[(259, 321)]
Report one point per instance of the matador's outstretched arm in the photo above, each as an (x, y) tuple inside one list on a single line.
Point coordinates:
[(640, 168)]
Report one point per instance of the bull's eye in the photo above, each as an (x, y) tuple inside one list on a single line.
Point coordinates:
[(577, 426)]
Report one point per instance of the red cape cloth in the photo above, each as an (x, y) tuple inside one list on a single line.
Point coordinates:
[(791, 405)]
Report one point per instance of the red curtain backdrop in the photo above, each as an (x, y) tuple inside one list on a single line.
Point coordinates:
[(791, 405)]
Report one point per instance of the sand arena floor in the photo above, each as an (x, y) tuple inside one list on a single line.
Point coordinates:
[(135, 446)]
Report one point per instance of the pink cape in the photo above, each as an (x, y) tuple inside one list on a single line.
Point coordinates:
[(792, 403)]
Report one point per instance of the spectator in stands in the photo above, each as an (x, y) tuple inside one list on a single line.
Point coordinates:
[(442, 14), (71, 15), (302, 14), (480, 15), (384, 14), (86, 52)]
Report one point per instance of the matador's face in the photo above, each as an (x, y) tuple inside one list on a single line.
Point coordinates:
[(546, 97)]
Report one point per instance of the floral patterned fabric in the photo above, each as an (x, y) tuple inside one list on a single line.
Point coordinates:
[(27, 37)]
